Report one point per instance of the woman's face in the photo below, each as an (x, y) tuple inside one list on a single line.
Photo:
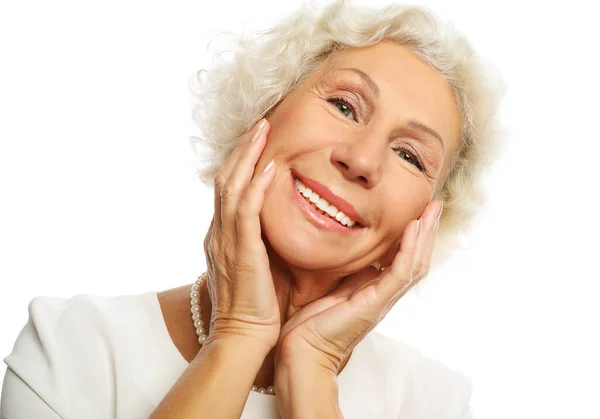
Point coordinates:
[(372, 133)]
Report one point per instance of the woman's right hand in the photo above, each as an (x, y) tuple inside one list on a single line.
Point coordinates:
[(244, 302)]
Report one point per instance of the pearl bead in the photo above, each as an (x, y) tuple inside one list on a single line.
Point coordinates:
[(198, 323), (200, 331), (195, 309), (202, 339), (254, 388), (194, 294), (271, 390), (196, 316), (195, 301), (195, 287), (262, 390)]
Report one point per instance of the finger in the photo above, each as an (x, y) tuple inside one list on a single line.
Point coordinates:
[(422, 254), (217, 202), (398, 276), (426, 240), (248, 211), (225, 171), (411, 261), (208, 237), (428, 243), (239, 180), (244, 142)]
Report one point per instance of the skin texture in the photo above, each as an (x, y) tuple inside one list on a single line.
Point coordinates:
[(356, 155), (356, 161)]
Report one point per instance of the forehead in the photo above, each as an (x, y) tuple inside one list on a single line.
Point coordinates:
[(409, 88)]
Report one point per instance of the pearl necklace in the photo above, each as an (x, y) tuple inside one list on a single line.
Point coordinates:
[(199, 324)]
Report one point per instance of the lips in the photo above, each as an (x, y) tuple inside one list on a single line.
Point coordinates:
[(330, 197)]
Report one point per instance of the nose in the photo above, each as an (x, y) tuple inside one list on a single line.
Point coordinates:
[(360, 159)]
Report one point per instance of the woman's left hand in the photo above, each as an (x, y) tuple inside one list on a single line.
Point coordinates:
[(327, 330)]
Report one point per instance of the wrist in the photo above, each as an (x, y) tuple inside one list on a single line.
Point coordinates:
[(255, 335), (289, 356), (306, 389), (224, 341)]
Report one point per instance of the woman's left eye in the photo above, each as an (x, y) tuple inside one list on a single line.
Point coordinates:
[(343, 106), (404, 152)]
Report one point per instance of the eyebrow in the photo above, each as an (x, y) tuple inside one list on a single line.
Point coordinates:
[(422, 127), (414, 124), (366, 78)]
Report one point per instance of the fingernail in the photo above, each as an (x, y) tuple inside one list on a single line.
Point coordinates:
[(437, 222), (259, 128), (419, 227), (268, 167)]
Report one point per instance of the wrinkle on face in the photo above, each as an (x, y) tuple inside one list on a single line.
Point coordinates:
[(309, 132), (344, 83)]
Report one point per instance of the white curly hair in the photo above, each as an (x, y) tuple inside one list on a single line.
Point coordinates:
[(262, 68)]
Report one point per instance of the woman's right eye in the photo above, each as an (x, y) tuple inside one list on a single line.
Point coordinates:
[(345, 107)]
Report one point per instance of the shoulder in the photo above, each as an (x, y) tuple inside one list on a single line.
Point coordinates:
[(60, 322), (70, 345), (429, 386)]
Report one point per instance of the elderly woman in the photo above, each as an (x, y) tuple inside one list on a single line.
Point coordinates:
[(343, 146)]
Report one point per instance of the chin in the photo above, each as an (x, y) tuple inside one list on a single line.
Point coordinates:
[(296, 247)]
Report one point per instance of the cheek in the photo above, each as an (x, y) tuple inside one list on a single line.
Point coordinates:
[(301, 126), (403, 201), (396, 214)]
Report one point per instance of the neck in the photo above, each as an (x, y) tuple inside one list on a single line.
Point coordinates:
[(297, 287), (294, 289)]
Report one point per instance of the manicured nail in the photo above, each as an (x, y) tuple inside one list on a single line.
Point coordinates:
[(437, 221), (269, 166), (258, 129)]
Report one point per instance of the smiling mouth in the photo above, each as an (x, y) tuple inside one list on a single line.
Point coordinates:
[(323, 207)]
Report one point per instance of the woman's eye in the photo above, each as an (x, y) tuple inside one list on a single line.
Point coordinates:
[(343, 106), (412, 158)]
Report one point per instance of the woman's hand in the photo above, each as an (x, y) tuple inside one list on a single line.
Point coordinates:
[(239, 277), (327, 330)]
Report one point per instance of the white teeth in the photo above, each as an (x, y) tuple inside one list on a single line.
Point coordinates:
[(323, 205), (331, 210), (300, 186)]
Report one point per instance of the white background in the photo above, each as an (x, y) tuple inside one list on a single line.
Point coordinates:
[(98, 191)]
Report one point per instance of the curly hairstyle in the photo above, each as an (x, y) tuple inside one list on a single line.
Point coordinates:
[(263, 67)]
